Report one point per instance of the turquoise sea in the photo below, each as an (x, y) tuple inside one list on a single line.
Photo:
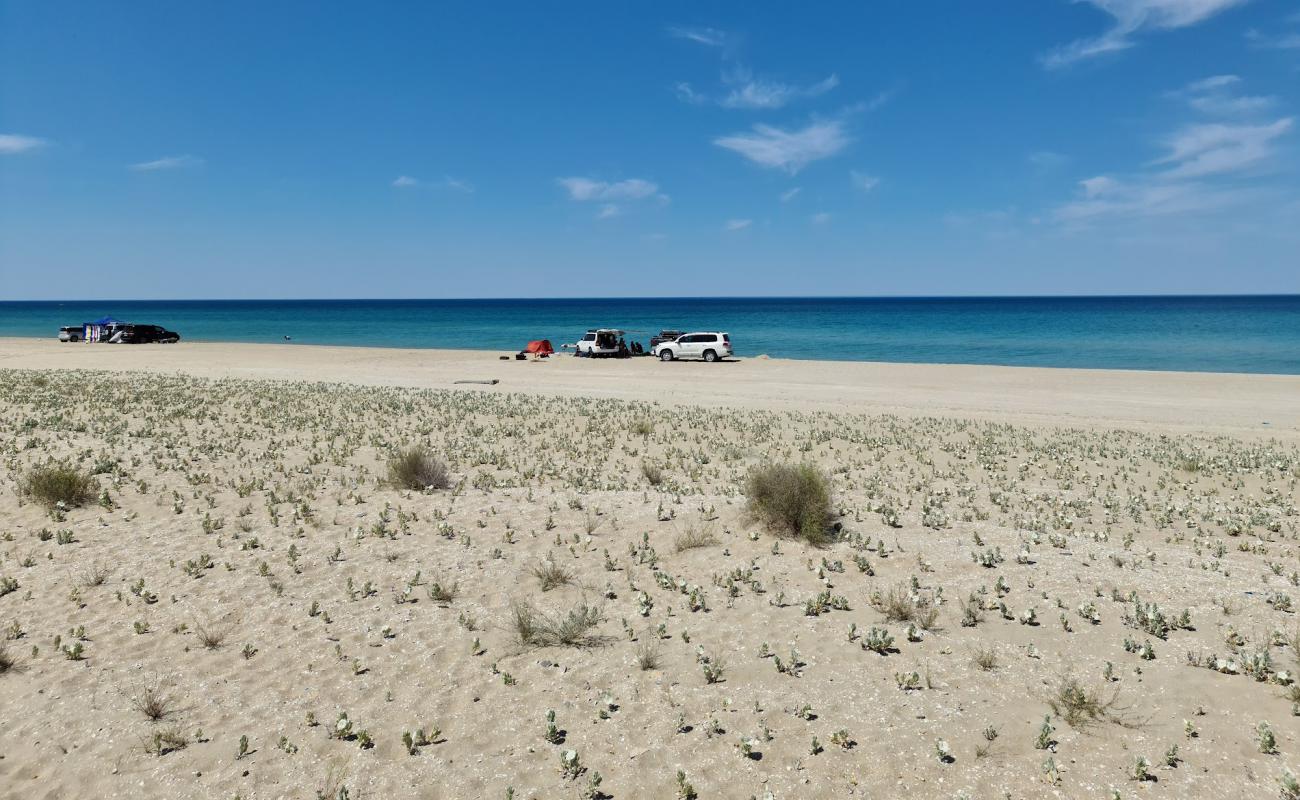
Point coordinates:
[(1259, 334)]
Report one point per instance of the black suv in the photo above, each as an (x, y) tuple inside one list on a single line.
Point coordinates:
[(665, 335), (144, 334)]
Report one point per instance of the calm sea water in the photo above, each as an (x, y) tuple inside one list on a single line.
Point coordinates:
[(1212, 334)]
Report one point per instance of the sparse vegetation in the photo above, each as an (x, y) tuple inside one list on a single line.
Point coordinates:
[(269, 506)]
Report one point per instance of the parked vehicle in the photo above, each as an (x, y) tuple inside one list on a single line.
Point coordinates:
[(144, 334), (600, 342), (709, 346), (72, 333), (665, 335)]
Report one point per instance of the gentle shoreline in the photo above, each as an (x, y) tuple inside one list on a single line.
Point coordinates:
[(1240, 404)]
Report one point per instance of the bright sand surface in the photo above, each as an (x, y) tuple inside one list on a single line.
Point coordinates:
[(1112, 553), (1208, 402)]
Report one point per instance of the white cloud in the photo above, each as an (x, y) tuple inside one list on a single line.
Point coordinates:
[(1286, 41), (737, 224), (167, 162), (1216, 95), (688, 95), (791, 150), (14, 143), (1108, 198), (608, 210), (864, 182), (790, 194), (1132, 17), (407, 182), (1210, 149), (820, 218), (709, 37), (583, 189), (751, 93)]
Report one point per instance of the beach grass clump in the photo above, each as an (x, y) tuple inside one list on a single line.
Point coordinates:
[(534, 628), (153, 703), (58, 485), (1080, 706), (418, 469), (551, 575), (792, 500), (695, 537), (8, 661)]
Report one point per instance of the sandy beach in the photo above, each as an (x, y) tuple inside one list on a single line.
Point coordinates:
[(1191, 401), (1034, 582)]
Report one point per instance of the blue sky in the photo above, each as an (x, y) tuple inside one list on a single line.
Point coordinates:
[(304, 149)]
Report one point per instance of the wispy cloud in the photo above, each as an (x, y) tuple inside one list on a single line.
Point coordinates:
[(612, 196), (1210, 149), (1132, 17), (167, 162), (790, 194), (788, 150), (748, 92), (862, 181), (1218, 95), (1105, 197), (709, 37), (737, 224), (1289, 40), (1205, 167), (448, 182), (820, 218), (589, 189), (14, 143)]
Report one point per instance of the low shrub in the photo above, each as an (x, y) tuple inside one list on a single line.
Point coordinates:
[(793, 500), (417, 469), (53, 484)]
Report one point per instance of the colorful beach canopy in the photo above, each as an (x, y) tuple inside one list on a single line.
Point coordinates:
[(541, 347)]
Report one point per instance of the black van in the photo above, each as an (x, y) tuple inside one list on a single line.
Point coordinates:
[(145, 334)]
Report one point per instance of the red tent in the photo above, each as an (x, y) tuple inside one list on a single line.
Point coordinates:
[(541, 347)]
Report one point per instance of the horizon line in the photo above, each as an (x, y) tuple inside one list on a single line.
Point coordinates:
[(1117, 296)]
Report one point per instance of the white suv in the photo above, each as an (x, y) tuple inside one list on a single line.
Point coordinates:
[(708, 346)]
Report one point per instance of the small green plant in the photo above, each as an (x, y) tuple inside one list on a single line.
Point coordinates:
[(1044, 740), (685, 791), (553, 734), (1266, 738)]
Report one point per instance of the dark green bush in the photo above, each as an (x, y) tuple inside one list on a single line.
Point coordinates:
[(418, 469), (792, 500), (58, 483)]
